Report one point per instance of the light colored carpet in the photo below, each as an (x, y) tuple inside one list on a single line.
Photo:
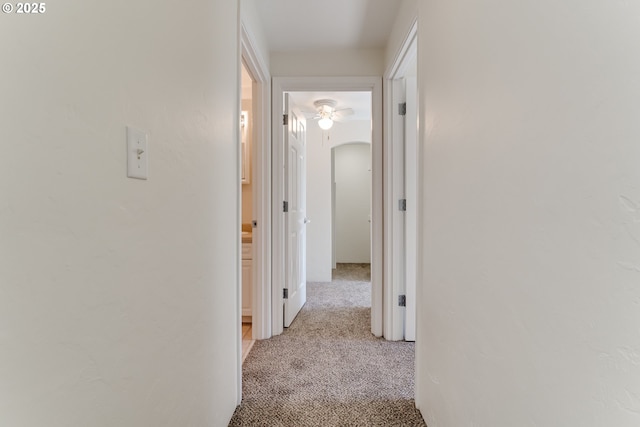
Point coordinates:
[(328, 370), (352, 272)]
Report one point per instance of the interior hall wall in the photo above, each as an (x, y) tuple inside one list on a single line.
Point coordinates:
[(116, 293), (528, 311)]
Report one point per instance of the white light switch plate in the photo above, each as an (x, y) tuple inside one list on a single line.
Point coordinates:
[(137, 154)]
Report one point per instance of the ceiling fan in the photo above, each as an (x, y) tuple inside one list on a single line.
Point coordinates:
[(327, 113)]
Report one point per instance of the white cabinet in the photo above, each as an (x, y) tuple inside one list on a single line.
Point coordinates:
[(247, 282)]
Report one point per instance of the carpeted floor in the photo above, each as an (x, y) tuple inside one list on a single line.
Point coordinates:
[(352, 272), (327, 369)]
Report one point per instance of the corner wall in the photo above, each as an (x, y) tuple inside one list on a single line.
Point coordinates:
[(116, 294), (528, 313)]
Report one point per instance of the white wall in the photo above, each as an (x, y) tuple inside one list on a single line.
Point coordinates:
[(319, 243), (253, 25), (407, 14), (352, 169), (528, 313), (347, 62), (114, 291)]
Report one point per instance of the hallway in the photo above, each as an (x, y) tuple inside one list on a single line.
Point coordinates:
[(327, 369)]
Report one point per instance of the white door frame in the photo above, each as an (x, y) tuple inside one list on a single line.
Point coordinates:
[(326, 84), (261, 185), (295, 166), (394, 229), (411, 219), (394, 224)]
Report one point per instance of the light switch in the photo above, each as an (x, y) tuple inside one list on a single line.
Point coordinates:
[(137, 154)]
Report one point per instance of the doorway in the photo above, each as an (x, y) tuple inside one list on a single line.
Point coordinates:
[(401, 190), (259, 172), (246, 143), (373, 87), (349, 136), (336, 175), (351, 203)]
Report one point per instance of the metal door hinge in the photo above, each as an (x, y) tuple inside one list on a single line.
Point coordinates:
[(402, 300), (285, 293), (285, 206), (285, 119), (402, 108), (402, 205)]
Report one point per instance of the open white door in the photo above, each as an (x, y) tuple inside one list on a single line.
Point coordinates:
[(295, 292)]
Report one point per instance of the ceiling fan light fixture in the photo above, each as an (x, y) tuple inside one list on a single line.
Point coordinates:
[(325, 123)]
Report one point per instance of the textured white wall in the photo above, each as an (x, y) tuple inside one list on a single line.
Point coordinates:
[(116, 294), (319, 190), (353, 203), (529, 311)]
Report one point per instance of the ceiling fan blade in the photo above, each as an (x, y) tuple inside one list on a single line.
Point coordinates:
[(343, 112), (341, 119), (311, 115)]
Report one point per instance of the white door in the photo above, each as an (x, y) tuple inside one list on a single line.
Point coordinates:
[(295, 221)]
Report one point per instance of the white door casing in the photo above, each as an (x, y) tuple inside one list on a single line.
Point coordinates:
[(394, 233), (261, 185), (411, 194), (401, 182), (261, 173), (402, 247), (295, 221)]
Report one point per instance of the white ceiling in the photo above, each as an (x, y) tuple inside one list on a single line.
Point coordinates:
[(323, 25), (360, 102), (295, 25)]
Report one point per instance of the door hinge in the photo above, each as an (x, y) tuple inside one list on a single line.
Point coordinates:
[(285, 206), (285, 119), (402, 205), (402, 300), (402, 108), (285, 293)]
